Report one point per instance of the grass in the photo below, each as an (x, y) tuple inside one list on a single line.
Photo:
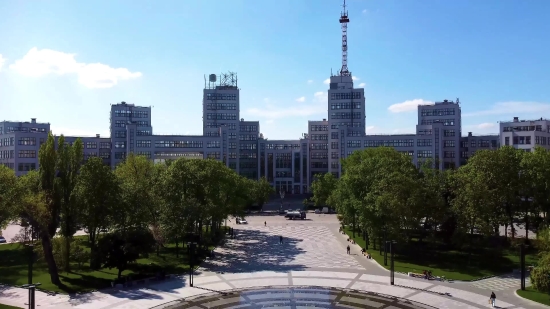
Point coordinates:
[(14, 269), (8, 307), (452, 264), (534, 295)]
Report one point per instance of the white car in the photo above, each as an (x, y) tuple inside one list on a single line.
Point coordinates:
[(2, 240), (241, 221)]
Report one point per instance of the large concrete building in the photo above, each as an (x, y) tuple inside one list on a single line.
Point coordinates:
[(290, 165)]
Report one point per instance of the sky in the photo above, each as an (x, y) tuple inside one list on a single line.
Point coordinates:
[(64, 62)]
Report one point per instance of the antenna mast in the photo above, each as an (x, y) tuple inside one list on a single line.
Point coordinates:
[(344, 20)]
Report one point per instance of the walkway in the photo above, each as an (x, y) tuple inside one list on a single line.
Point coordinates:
[(312, 254)]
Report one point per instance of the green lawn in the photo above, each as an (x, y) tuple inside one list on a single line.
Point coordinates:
[(534, 295), (449, 263), (8, 307), (14, 269)]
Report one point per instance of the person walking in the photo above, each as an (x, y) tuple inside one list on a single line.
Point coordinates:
[(493, 298), (280, 239), (348, 249), (265, 223)]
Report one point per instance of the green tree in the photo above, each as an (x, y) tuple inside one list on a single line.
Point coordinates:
[(536, 176), (322, 188), (8, 196), (69, 161), (262, 191), (97, 195)]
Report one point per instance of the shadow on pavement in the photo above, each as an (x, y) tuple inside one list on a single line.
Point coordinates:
[(253, 251)]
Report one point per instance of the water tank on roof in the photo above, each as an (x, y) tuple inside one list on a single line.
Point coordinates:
[(212, 78)]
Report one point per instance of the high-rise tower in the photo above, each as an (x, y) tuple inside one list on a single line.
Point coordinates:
[(344, 20), (346, 106)]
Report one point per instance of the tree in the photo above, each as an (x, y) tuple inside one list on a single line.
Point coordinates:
[(322, 187), (8, 196), (96, 193), (48, 158), (118, 250), (69, 161), (262, 191)]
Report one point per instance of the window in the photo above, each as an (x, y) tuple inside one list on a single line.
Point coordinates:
[(318, 146), (334, 155), (120, 134), (448, 143), (390, 143), (233, 155), (334, 164), (221, 96), (221, 106), (334, 145), (232, 135), (105, 155), (105, 145), (120, 124), (143, 144), (316, 127), (528, 140), (120, 144), (25, 167), (348, 115), (248, 137), (319, 137), (221, 116), (319, 155), (424, 142), (88, 155), (178, 144), (319, 164), (283, 160), (91, 145), (334, 135), (143, 133), (448, 133), (213, 144), (449, 154), (354, 144), (27, 154), (27, 141), (146, 154), (120, 155), (348, 105), (424, 154), (142, 123), (248, 128), (437, 112), (232, 145), (346, 95)]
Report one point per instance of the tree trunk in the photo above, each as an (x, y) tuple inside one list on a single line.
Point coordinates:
[(119, 273), (48, 256), (67, 253), (177, 248), (506, 231), (527, 226)]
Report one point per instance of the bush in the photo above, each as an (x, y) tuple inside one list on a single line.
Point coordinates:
[(540, 278)]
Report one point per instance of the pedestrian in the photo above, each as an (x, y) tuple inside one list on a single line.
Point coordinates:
[(492, 299), (280, 239), (348, 249), (265, 223)]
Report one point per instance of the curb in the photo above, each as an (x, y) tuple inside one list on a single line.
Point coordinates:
[(532, 302)]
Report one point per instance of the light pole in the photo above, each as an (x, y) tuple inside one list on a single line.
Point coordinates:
[(191, 246), (392, 266), (31, 288), (522, 265)]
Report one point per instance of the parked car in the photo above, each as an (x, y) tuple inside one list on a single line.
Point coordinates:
[(241, 221), (317, 211), (291, 215), (2, 240)]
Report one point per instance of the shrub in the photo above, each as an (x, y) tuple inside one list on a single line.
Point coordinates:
[(540, 278)]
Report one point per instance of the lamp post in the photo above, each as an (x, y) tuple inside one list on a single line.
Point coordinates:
[(31, 288), (522, 265), (191, 246), (392, 266), (282, 195), (387, 244)]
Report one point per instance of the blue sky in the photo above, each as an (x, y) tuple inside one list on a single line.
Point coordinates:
[(64, 62)]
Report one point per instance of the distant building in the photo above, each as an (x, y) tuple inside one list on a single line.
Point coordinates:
[(525, 134)]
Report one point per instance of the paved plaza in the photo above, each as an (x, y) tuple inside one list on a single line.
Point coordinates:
[(309, 269)]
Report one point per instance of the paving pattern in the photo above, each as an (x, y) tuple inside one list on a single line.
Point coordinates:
[(304, 246), (298, 297), (500, 283)]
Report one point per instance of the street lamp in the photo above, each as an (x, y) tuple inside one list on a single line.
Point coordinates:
[(31, 288), (392, 266), (522, 248), (191, 245), (282, 194)]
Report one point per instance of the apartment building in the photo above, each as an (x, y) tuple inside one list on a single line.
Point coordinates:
[(525, 134)]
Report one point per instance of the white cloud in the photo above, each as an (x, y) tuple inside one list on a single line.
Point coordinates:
[(310, 81), (38, 63), (301, 99), (362, 85), (513, 108), (354, 78), (2, 61), (407, 106), (274, 111), (326, 81)]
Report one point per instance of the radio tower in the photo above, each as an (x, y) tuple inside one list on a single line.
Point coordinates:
[(344, 20)]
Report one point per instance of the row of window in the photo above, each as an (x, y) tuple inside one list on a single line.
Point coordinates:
[(7, 154), (27, 154), (425, 132), (390, 143), (479, 143), (143, 133), (345, 124), (122, 123), (525, 128), (248, 128), (221, 96), (27, 141), (445, 122), (221, 116), (221, 106), (318, 137), (438, 112), (25, 130), (248, 137), (317, 127), (132, 114), (316, 146), (346, 96), (26, 167), (354, 115), (353, 105), (213, 144), (423, 142), (230, 126), (282, 146)]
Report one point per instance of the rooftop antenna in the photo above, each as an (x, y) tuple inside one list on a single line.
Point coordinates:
[(344, 20)]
